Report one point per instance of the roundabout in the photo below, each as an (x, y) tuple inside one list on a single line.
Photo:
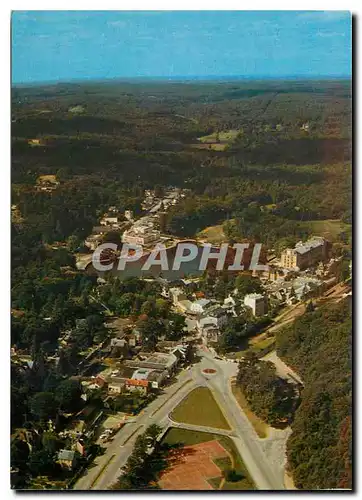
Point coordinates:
[(209, 371)]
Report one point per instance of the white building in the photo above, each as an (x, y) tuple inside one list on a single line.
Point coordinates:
[(93, 241), (106, 221), (177, 295), (128, 214), (304, 286), (199, 306), (257, 302), (211, 321), (185, 306), (141, 235)]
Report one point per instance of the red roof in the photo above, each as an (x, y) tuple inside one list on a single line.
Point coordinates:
[(139, 383)]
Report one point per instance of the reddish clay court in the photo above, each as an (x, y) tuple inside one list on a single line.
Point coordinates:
[(191, 466)]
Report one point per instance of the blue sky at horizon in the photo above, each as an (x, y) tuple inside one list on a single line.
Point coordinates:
[(77, 45)]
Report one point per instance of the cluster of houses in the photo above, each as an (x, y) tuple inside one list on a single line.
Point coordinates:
[(112, 220), (206, 316), (303, 271), (147, 230), (144, 372)]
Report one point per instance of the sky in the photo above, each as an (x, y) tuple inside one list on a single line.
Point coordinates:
[(77, 45)]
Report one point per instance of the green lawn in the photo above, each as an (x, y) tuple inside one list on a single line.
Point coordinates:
[(200, 408), (257, 347), (227, 135), (188, 438), (213, 234)]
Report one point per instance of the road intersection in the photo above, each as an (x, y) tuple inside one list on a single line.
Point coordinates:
[(266, 469)]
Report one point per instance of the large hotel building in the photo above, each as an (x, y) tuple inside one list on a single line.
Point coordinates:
[(304, 255)]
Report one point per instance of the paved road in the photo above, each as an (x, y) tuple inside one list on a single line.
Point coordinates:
[(267, 474), (123, 443)]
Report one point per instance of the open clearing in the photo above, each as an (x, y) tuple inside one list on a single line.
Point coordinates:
[(213, 234), (329, 228), (263, 344), (201, 461), (227, 135), (200, 408)]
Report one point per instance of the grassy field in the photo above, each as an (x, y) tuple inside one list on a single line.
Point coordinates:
[(188, 438), (226, 136), (256, 347), (200, 408), (329, 228), (213, 234), (259, 425)]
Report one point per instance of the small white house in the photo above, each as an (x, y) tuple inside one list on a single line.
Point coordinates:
[(199, 306), (177, 295), (106, 221), (128, 215)]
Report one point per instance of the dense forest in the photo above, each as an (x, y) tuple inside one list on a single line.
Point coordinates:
[(271, 397), (318, 347), (288, 159)]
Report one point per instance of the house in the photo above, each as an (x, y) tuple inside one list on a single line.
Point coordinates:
[(66, 458), (116, 385), (116, 342), (100, 230), (229, 305), (109, 220), (101, 381), (153, 377), (257, 302), (185, 306), (93, 241), (90, 415), (177, 295), (80, 447), (120, 349), (132, 340), (141, 235), (199, 306), (207, 322), (128, 215), (304, 287), (230, 301), (218, 319), (157, 361), (210, 333), (137, 385)]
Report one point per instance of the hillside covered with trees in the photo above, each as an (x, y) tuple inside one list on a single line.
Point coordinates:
[(318, 346)]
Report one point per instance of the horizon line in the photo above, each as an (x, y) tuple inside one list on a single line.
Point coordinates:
[(183, 78)]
